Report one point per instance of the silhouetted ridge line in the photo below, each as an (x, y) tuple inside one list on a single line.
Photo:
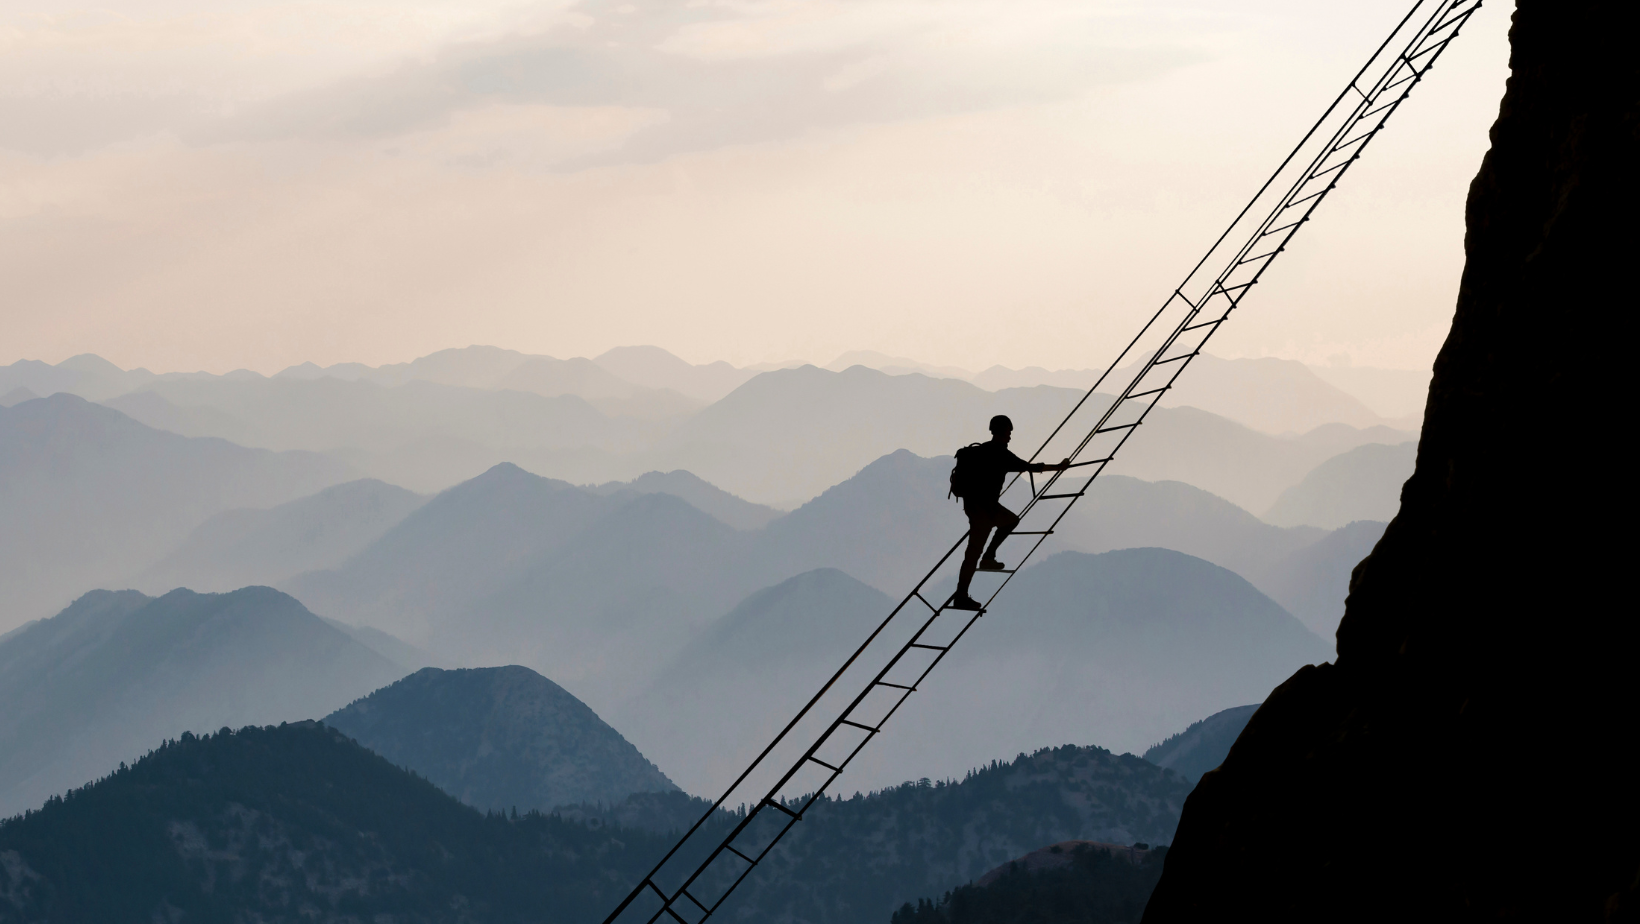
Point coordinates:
[(1165, 345)]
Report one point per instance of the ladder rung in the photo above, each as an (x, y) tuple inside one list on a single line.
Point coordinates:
[(1358, 138), (1090, 462), (1370, 113), (1292, 224), (1305, 199), (1435, 47), (1321, 173), (774, 804), (675, 916), (1056, 496), (1364, 136), (731, 849), (897, 686), (692, 898), (997, 570), (1031, 532), (1128, 426), (930, 648), (1144, 393), (652, 885), (919, 596), (1413, 75), (826, 765), (1172, 359), (1450, 20), (1203, 324), (858, 725), (1265, 255)]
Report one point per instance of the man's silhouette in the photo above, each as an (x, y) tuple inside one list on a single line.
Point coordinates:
[(992, 462)]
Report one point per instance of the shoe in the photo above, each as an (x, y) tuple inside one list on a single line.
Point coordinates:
[(964, 602), (991, 564)]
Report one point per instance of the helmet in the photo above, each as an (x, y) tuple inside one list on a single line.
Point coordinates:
[(1000, 423)]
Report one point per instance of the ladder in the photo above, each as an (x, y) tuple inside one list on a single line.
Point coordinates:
[(710, 865)]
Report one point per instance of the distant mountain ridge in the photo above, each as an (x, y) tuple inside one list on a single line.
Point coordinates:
[(605, 592), (1203, 745), (1363, 483), (1125, 647), (499, 738), (448, 416), (117, 672), (700, 494), (89, 496), (237, 548), (1122, 647)]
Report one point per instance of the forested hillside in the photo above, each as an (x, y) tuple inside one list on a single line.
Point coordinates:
[(299, 823), (499, 738)]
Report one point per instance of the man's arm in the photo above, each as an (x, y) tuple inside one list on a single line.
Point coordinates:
[(1016, 464)]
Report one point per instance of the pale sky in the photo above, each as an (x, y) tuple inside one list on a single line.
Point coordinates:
[(204, 184)]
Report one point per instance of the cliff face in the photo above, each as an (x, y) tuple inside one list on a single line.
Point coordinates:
[(1469, 753)]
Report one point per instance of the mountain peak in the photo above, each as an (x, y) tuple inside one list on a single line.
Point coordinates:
[(500, 737), (90, 363)]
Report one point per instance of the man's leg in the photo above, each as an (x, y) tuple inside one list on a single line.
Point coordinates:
[(979, 526), (1005, 521)]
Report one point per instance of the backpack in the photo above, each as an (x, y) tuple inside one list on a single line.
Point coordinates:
[(962, 474)]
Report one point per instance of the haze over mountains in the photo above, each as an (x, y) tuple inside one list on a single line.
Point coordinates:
[(246, 546), (1124, 648), (117, 673), (89, 496), (443, 418), (736, 533)]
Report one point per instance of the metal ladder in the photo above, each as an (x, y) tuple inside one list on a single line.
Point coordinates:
[(1166, 344)]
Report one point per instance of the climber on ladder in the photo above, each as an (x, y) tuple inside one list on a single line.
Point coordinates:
[(977, 479)]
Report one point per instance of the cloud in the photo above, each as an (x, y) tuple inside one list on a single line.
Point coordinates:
[(722, 73)]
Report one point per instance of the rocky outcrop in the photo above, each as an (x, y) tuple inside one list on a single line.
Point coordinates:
[(1469, 753)]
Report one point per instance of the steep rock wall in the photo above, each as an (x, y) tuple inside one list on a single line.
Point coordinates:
[(1469, 753)]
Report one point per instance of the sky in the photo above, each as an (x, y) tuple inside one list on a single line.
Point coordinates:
[(220, 184)]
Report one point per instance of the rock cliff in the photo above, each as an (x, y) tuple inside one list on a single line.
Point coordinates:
[(1469, 753)]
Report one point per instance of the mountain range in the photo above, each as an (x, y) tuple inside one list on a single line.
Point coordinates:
[(1361, 484), (1123, 647), (446, 417), (90, 497), (247, 546), (118, 672), (293, 821), (788, 434)]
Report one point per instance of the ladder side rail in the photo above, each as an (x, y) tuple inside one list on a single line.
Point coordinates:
[(1420, 35), (1326, 113), (1248, 207), (1363, 108), (1416, 47)]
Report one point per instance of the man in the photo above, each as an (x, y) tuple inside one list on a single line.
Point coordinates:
[(992, 462)]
